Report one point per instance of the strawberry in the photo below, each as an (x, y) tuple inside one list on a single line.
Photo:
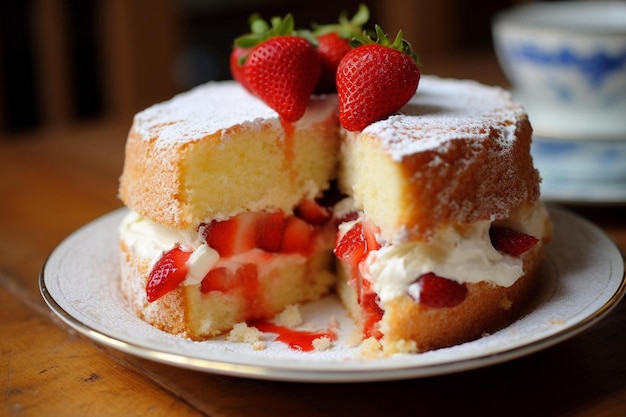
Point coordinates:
[(237, 56), (375, 79), (372, 313), (355, 244), (312, 212), (331, 48), (283, 72), (232, 236), (217, 279), (225, 279), (333, 42), (269, 231), (282, 67), (297, 236), (169, 271), (352, 248), (259, 31), (511, 242), (440, 292)]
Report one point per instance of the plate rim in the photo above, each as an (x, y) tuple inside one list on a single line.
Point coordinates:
[(327, 375)]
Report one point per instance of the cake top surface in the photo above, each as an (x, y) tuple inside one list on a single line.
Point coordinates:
[(211, 108), (445, 109), (441, 110)]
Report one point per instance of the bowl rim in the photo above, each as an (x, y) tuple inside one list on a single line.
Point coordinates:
[(536, 16)]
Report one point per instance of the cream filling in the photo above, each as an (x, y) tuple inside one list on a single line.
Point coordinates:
[(463, 254), (151, 240)]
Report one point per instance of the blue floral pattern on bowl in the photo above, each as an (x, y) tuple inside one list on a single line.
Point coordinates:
[(594, 68), (576, 160)]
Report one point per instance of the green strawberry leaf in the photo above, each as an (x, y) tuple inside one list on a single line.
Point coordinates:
[(345, 28), (381, 38), (261, 30)]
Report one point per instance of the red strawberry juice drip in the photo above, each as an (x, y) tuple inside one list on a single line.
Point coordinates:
[(289, 130), (296, 339), (244, 279), (372, 312), (353, 248)]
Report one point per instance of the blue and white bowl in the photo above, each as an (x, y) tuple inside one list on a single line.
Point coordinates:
[(581, 171), (566, 62), (585, 161)]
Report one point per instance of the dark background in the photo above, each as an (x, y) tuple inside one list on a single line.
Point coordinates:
[(69, 61)]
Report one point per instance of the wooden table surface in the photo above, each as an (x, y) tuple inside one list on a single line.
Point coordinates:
[(53, 182)]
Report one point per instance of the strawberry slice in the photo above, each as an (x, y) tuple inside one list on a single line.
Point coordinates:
[(312, 212), (352, 248), (269, 231), (232, 236), (297, 236), (440, 292), (217, 279), (167, 273), (511, 242), (355, 244), (225, 279), (372, 313)]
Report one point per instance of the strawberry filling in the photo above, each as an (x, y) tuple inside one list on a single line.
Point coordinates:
[(353, 248), (511, 242), (167, 274), (270, 233), (439, 292)]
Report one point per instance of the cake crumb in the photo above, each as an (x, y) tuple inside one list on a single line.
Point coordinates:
[(354, 338), (242, 333), (322, 343), (258, 345), (370, 348), (401, 346), (289, 317), (506, 304)]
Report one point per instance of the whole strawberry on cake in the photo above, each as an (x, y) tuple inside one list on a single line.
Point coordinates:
[(415, 197)]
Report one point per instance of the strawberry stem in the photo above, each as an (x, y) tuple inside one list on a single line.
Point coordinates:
[(261, 30), (399, 43)]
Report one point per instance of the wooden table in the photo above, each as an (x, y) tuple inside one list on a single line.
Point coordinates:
[(53, 182)]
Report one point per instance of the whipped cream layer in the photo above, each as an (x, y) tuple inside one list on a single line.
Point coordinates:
[(460, 253), (151, 240)]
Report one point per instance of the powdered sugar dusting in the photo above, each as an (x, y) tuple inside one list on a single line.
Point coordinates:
[(445, 109), (211, 108)]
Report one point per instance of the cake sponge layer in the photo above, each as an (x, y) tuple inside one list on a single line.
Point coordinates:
[(457, 153), (180, 174)]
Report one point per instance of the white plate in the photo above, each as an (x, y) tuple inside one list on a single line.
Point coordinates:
[(583, 276)]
